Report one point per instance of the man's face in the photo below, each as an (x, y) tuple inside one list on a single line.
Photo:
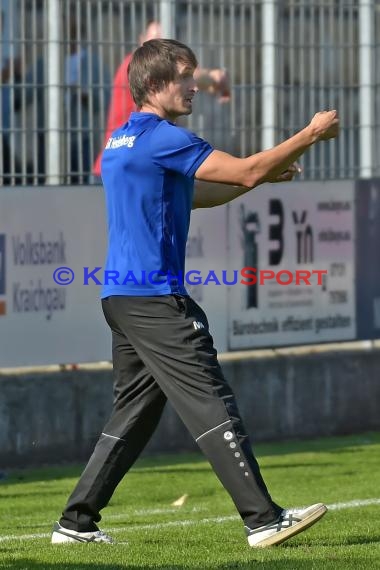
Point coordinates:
[(177, 97)]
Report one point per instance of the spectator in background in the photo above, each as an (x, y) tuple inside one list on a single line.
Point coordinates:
[(35, 94), (86, 92), (5, 157), (9, 92), (214, 81), (86, 84)]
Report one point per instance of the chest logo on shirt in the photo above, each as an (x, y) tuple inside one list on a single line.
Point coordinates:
[(116, 142)]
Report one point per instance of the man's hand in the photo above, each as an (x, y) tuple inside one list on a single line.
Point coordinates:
[(221, 85), (324, 125), (287, 175), (214, 81)]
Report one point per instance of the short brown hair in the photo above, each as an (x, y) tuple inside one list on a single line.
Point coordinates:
[(154, 65)]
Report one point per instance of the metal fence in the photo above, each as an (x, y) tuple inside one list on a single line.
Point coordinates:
[(286, 59)]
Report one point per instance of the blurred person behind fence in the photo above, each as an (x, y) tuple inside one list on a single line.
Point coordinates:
[(87, 83), (10, 95)]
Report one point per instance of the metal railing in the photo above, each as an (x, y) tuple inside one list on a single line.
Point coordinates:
[(286, 59)]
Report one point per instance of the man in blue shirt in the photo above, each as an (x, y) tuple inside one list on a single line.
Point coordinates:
[(162, 347), (163, 159)]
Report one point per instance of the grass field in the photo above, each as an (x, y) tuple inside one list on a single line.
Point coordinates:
[(205, 532)]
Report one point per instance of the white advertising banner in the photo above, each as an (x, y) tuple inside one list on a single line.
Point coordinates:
[(51, 235), (42, 231), (296, 242), (206, 259)]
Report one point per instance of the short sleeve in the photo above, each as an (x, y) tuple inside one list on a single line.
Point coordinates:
[(178, 149)]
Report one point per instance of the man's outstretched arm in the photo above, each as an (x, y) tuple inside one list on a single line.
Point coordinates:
[(273, 165), (207, 195)]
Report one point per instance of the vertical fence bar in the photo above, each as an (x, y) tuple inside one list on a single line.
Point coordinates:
[(377, 94), (22, 98), (167, 18), (268, 74), (253, 75), (366, 42), (1, 102), (53, 93), (352, 40), (13, 54), (94, 77), (313, 63), (341, 81), (34, 94), (243, 78)]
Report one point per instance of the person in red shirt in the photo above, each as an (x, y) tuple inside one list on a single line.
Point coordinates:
[(214, 81)]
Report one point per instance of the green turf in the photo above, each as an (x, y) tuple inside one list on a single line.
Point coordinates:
[(154, 535)]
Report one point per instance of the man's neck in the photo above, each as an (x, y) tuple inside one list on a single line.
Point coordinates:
[(149, 108)]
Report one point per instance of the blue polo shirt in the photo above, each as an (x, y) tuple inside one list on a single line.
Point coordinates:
[(148, 169)]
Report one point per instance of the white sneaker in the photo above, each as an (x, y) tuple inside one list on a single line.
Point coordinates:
[(62, 535), (290, 523)]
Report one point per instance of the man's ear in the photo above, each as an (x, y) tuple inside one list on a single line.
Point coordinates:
[(154, 86)]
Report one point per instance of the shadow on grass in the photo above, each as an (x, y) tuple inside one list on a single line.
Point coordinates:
[(350, 541), (326, 444), (35, 493), (175, 463), (17, 479), (27, 564)]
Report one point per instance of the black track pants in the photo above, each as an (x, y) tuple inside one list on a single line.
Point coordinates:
[(162, 349)]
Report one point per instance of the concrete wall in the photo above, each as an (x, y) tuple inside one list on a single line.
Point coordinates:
[(47, 417)]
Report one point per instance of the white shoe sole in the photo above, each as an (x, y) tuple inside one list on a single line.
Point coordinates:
[(58, 538), (62, 535), (282, 535)]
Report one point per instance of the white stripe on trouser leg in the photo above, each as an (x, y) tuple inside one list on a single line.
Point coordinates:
[(113, 436), (227, 449), (212, 429)]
